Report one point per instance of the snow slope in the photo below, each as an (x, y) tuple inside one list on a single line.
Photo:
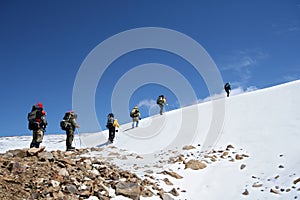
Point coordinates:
[(264, 124)]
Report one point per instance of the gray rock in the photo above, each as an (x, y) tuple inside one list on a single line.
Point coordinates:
[(44, 156), (71, 189), (166, 197), (128, 189)]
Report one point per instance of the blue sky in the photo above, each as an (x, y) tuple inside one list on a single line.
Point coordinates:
[(255, 44)]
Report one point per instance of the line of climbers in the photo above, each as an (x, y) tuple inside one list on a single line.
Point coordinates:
[(37, 122)]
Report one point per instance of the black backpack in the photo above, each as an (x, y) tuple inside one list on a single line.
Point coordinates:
[(33, 123), (160, 99), (110, 120)]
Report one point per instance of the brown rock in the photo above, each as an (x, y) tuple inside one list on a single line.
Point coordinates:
[(128, 189), (195, 165), (225, 153), (274, 191), (238, 157), (188, 147), (167, 181), (173, 174), (245, 192), (147, 193), (174, 192), (229, 147), (256, 185), (21, 153), (16, 168), (296, 181), (34, 151)]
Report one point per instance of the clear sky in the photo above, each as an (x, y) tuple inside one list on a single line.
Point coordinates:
[(254, 44)]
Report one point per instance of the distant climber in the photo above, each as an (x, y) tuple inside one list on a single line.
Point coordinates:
[(69, 124), (227, 88), (112, 124), (135, 115), (161, 101), (37, 123)]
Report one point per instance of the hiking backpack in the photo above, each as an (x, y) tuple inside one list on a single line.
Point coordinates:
[(34, 119), (160, 99), (134, 113), (65, 124)]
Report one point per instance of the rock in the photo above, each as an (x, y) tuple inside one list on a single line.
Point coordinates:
[(167, 181), (296, 181), (21, 153), (55, 183), (15, 168), (63, 172), (188, 147), (45, 156), (229, 147), (242, 166), (274, 191), (69, 153), (225, 153), (174, 192), (173, 174), (238, 157), (195, 165), (71, 189), (166, 197), (245, 192), (34, 151), (280, 166), (128, 189), (256, 185), (147, 193)]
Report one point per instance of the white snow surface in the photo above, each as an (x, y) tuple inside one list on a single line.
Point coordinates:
[(263, 124)]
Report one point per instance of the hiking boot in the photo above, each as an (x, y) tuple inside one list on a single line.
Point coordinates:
[(70, 148)]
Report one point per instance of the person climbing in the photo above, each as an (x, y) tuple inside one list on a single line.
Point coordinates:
[(112, 124), (161, 101), (69, 124), (135, 115), (227, 88), (37, 122)]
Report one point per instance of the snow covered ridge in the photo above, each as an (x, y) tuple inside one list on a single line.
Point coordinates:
[(262, 127)]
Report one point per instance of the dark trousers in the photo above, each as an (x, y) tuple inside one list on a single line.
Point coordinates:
[(70, 137), (111, 133), (161, 106), (227, 91)]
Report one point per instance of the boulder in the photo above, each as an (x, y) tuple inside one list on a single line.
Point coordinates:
[(34, 151), (173, 174), (128, 189), (195, 165), (21, 153), (188, 147), (45, 156)]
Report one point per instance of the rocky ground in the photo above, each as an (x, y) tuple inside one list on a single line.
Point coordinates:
[(39, 174)]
